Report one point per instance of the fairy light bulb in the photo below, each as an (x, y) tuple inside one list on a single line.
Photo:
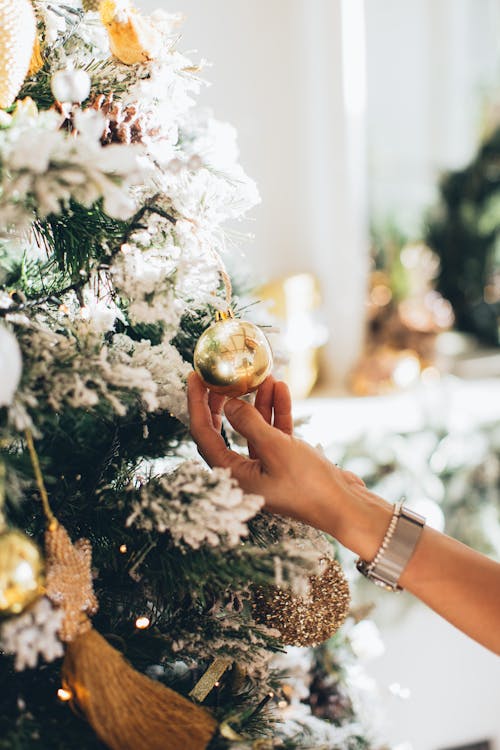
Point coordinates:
[(142, 622), (123, 548), (64, 695)]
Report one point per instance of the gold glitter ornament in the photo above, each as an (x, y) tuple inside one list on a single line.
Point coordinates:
[(17, 38), (309, 620), (232, 356), (21, 572)]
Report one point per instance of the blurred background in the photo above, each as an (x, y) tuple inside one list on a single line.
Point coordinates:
[(372, 130)]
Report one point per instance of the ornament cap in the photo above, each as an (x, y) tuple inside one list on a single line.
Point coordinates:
[(224, 314)]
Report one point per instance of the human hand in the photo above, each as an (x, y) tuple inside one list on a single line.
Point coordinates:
[(294, 478)]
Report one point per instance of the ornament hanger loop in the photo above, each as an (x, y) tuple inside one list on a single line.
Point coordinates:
[(3, 523), (51, 519), (224, 314)]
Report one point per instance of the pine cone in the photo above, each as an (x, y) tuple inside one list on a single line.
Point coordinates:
[(123, 124)]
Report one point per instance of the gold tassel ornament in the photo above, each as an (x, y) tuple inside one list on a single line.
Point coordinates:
[(17, 38), (132, 38), (126, 709)]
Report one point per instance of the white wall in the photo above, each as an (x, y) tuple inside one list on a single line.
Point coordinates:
[(257, 81), (432, 66), (277, 75)]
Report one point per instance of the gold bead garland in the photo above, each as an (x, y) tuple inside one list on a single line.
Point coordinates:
[(309, 620)]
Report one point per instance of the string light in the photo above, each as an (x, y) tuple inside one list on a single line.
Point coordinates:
[(123, 548), (142, 622), (64, 695)]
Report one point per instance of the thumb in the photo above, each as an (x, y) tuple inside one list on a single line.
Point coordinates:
[(248, 422)]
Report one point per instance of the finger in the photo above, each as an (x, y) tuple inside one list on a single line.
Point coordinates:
[(248, 422), (283, 419), (210, 442), (264, 399), (215, 403), (264, 405)]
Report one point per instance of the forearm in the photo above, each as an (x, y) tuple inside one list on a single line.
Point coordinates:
[(458, 583)]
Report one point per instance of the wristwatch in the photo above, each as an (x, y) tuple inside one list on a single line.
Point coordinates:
[(396, 549)]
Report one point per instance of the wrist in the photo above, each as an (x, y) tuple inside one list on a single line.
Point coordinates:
[(360, 522)]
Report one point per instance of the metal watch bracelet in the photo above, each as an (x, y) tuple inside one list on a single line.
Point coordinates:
[(396, 549)]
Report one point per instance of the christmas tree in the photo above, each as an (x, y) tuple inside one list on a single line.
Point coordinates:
[(463, 229), (136, 587)]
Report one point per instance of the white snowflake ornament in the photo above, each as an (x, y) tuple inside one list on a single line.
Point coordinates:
[(33, 634)]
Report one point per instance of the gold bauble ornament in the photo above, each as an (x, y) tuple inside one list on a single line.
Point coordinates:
[(232, 357), (309, 620), (21, 572), (17, 38)]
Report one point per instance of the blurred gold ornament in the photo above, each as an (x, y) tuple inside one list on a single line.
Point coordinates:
[(17, 37), (405, 316), (132, 38), (90, 5), (21, 572), (295, 301), (232, 357), (309, 620)]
